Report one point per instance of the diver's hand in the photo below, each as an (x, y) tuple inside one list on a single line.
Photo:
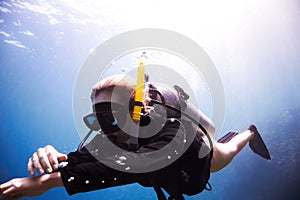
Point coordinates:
[(31, 186), (45, 159)]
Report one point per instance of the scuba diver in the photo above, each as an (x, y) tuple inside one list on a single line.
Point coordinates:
[(178, 157)]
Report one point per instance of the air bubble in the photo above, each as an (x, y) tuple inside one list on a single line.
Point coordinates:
[(122, 158), (127, 168), (119, 162), (169, 157), (71, 179)]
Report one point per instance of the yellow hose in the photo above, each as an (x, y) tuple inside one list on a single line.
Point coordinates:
[(138, 99)]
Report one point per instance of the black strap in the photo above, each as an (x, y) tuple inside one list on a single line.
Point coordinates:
[(172, 188), (178, 197), (172, 198), (208, 186), (160, 194), (138, 103)]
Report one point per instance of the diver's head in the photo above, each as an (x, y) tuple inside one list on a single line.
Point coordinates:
[(112, 100), (114, 89)]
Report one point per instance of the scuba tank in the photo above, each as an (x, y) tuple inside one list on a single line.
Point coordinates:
[(175, 102)]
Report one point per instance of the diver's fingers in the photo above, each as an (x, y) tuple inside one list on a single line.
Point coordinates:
[(7, 193), (36, 163), (52, 155), (44, 160), (4, 186), (30, 167), (12, 193)]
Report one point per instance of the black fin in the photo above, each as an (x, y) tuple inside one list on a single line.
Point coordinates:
[(226, 138), (257, 144)]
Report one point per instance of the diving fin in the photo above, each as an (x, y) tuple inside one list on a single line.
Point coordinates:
[(257, 144), (226, 138)]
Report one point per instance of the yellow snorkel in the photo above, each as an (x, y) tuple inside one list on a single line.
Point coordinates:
[(138, 102), (138, 99)]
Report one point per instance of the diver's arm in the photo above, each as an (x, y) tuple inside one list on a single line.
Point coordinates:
[(90, 176), (86, 173), (30, 186)]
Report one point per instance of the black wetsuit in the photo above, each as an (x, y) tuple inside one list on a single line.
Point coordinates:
[(97, 168)]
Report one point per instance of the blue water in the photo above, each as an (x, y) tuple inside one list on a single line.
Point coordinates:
[(255, 47)]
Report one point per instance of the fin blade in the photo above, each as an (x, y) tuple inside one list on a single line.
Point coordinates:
[(257, 145)]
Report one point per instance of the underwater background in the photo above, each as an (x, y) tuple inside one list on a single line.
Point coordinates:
[(255, 46)]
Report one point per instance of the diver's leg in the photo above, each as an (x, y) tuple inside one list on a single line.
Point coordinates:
[(225, 152)]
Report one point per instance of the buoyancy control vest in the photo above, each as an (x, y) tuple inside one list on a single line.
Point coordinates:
[(183, 176)]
